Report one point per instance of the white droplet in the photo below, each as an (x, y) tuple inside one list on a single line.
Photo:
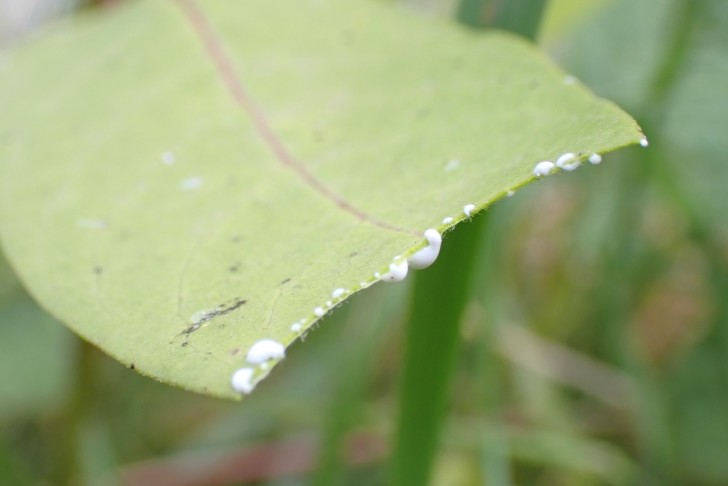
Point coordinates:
[(426, 256), (329, 303), (447, 220), (263, 366), (452, 165), (468, 208), (377, 274), (168, 157), (644, 142), (319, 312), (569, 79), (191, 183), (242, 380), (543, 168), (264, 350), (595, 159), (397, 271), (362, 284), (338, 293), (568, 161), (296, 327), (510, 193)]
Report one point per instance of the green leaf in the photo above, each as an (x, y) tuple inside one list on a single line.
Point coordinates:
[(183, 180)]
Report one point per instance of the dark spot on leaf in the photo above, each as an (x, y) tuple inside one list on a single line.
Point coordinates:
[(98, 270), (234, 352), (353, 254), (220, 310), (284, 281), (235, 239), (185, 343), (132, 366), (233, 268)]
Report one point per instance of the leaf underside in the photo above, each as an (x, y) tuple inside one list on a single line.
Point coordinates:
[(182, 179)]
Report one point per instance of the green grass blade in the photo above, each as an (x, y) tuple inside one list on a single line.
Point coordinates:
[(439, 297)]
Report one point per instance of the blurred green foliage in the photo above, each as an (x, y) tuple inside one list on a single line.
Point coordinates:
[(594, 350)]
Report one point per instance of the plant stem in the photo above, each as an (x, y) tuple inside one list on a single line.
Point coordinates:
[(67, 463), (440, 295), (518, 16)]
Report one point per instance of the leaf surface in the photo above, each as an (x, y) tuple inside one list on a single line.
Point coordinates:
[(181, 179)]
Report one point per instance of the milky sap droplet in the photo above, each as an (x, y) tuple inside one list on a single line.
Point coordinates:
[(264, 350), (568, 161), (397, 271), (595, 159), (242, 380), (543, 168), (468, 209), (427, 255)]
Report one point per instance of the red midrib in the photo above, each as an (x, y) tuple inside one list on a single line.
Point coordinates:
[(235, 87)]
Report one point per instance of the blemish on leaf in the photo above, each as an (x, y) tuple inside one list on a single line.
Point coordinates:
[(452, 165), (98, 270), (200, 317), (91, 223), (168, 157), (285, 281), (191, 183)]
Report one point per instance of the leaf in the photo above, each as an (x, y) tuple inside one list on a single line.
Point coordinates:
[(183, 180)]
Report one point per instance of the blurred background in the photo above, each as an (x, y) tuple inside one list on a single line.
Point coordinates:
[(594, 349)]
